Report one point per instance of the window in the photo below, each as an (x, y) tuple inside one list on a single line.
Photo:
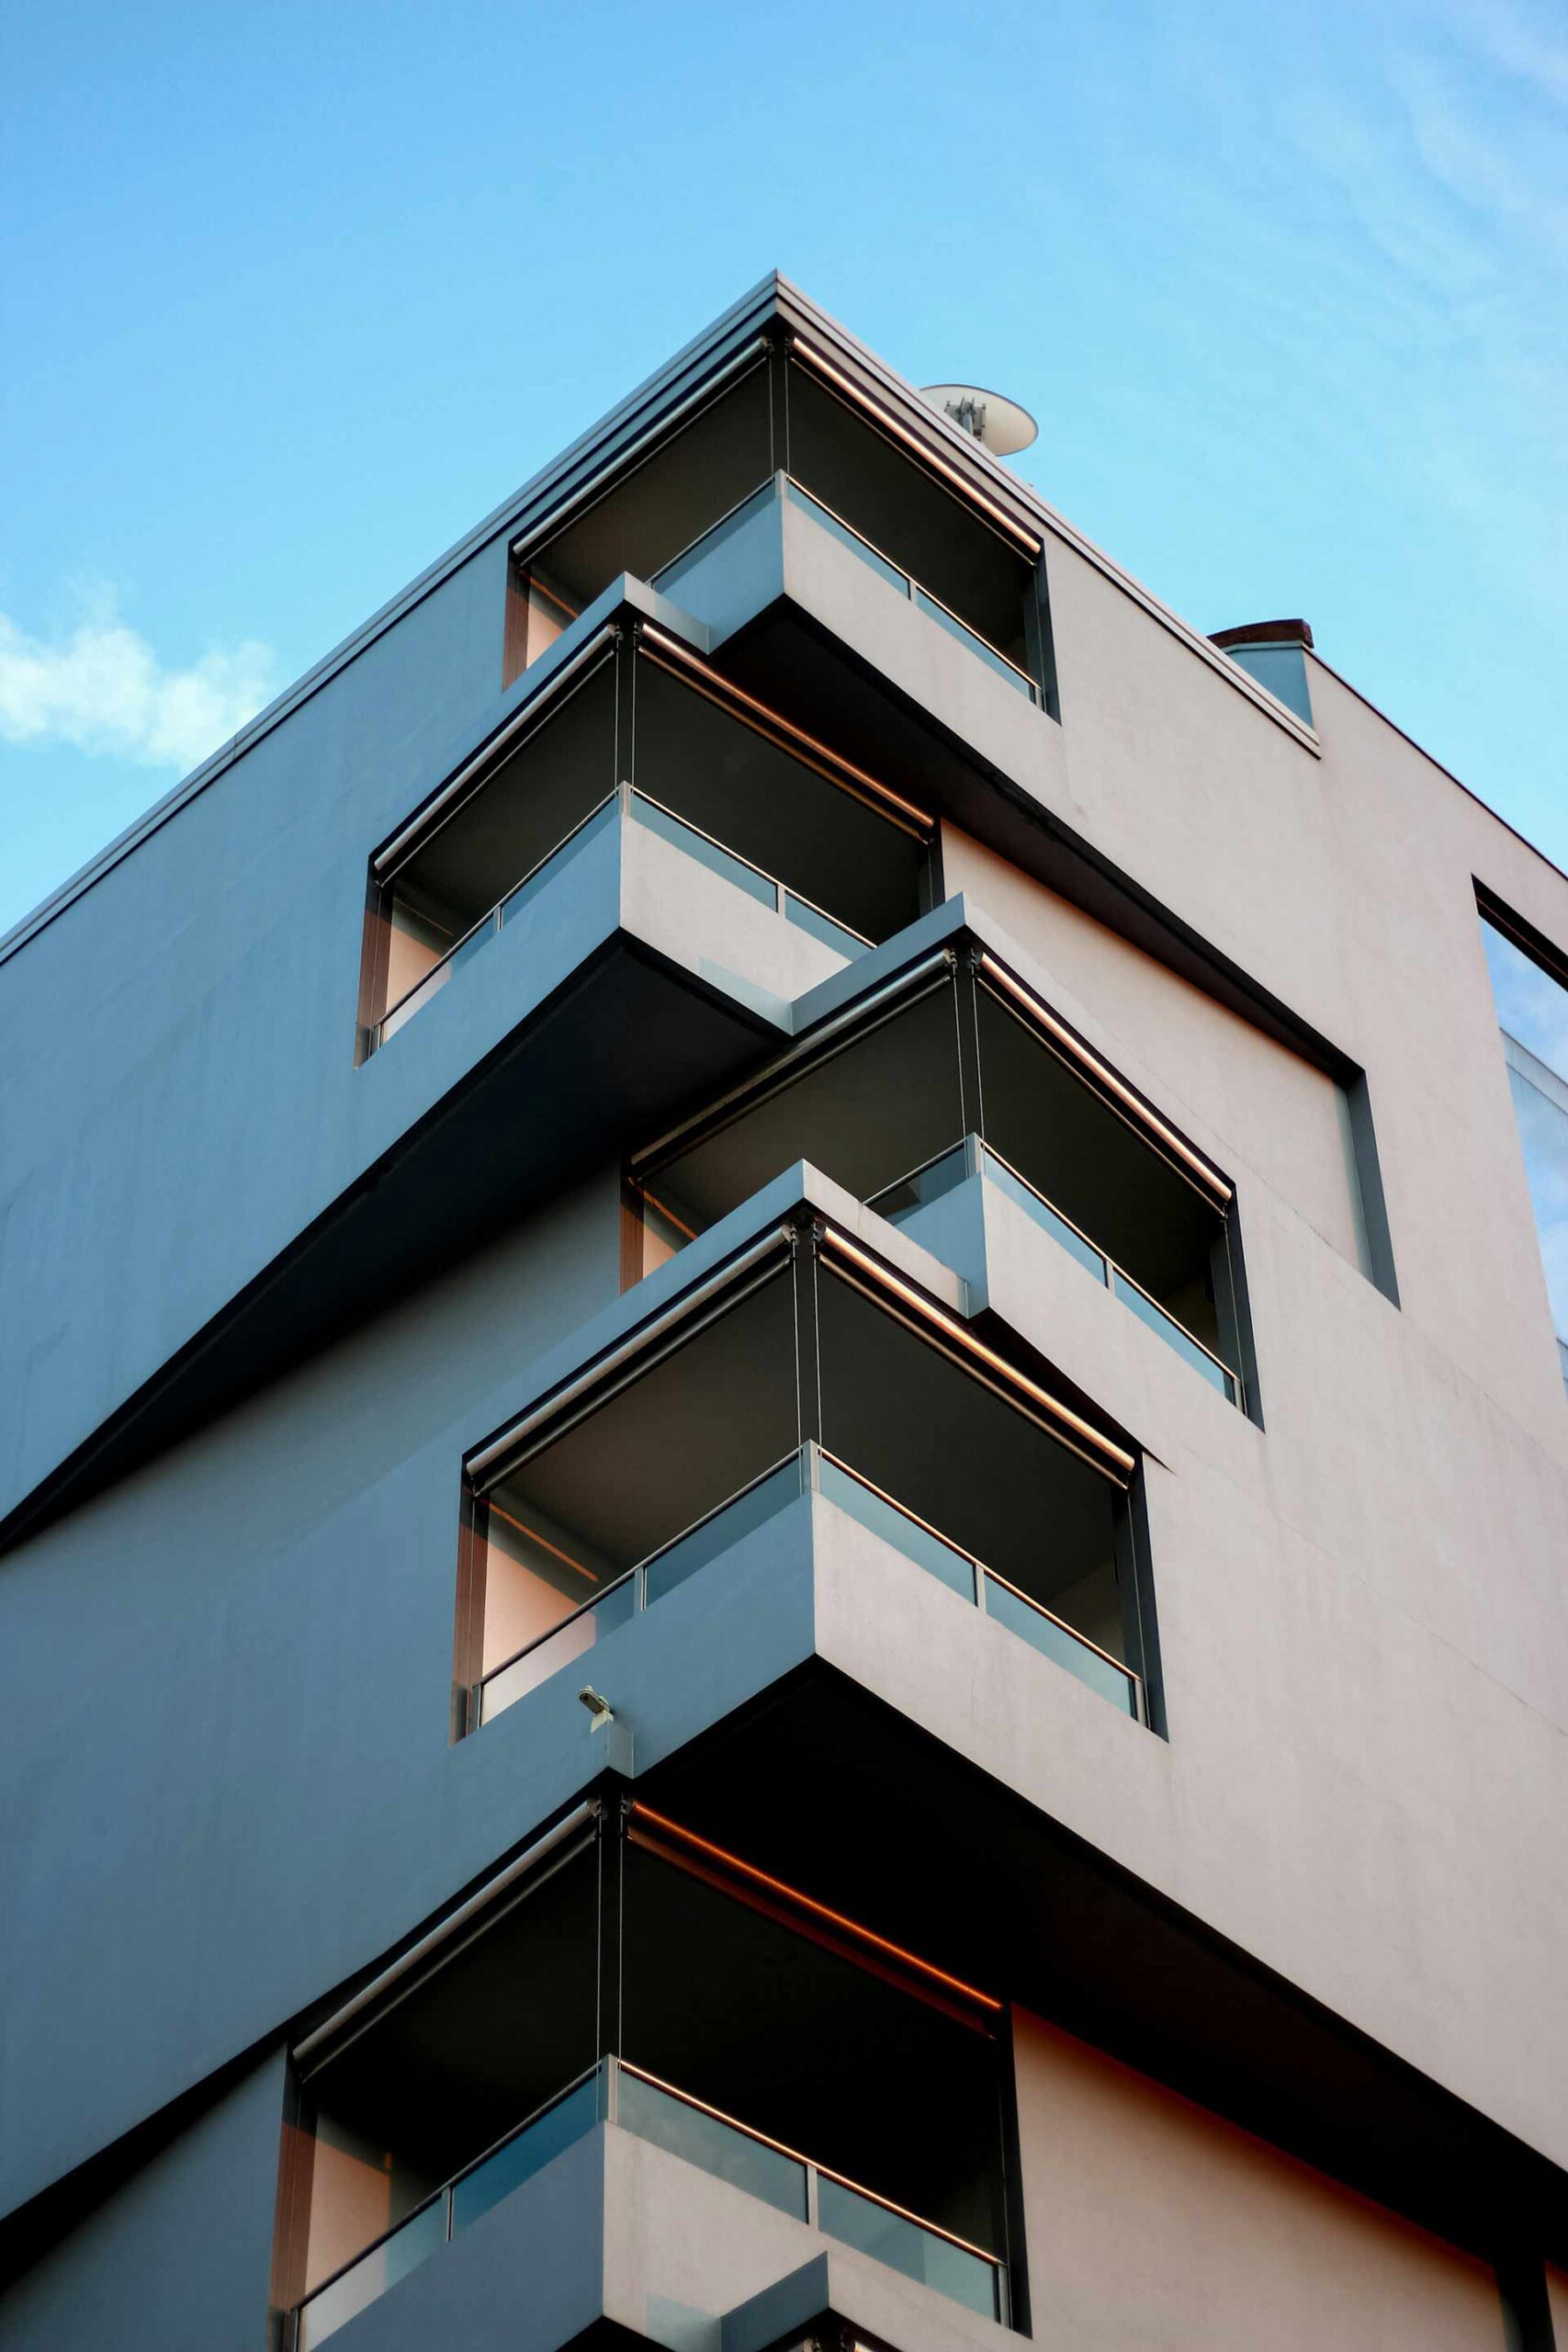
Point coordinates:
[(628, 1972), (767, 423), (1532, 1011), (637, 729), (805, 1370), (970, 1075)]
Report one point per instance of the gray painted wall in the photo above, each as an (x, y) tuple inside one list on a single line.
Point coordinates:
[(178, 2254)]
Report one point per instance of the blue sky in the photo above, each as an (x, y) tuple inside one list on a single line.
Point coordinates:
[(294, 295)]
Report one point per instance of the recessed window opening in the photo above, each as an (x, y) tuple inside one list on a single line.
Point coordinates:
[(1079, 1152), (486, 857), (865, 479), (648, 735), (822, 2070), (643, 518), (963, 1082), (1532, 1012), (444, 2074), (846, 866), (826, 1378), (648, 1979), (553, 1542), (905, 1063)]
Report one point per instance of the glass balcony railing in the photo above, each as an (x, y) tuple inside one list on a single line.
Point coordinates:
[(598, 821), (942, 1174), (686, 2127), (810, 1468), (523, 2152), (716, 2143), (729, 526), (638, 1589), (974, 1581), (921, 598), (802, 912)]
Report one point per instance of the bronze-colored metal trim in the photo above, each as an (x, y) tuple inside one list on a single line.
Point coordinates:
[(1142, 1113), (837, 1919), (1106, 1454), (997, 517), (653, 641)]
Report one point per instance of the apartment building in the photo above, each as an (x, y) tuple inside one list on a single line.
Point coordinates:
[(785, 1464)]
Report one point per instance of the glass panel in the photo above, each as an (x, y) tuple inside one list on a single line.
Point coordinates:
[(927, 1183), (436, 980), (1173, 1335), (1531, 1005), (1543, 1137), (965, 636), (372, 2275), (719, 2148), (1053, 1641), (728, 1524), (563, 1648), (806, 917), (846, 537), (904, 2246), (722, 862), (885, 1518), (1045, 1216), (526, 2154), (602, 818)]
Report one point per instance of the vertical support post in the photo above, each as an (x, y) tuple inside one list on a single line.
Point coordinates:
[(612, 1929), (966, 989), (778, 398), (807, 1356), (625, 706)]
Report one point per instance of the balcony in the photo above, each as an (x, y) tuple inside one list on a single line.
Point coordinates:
[(845, 2083), (804, 1368), (794, 426), (635, 730), (973, 1076)]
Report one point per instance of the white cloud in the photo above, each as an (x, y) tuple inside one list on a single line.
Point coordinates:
[(103, 689)]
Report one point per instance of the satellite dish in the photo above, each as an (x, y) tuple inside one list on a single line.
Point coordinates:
[(999, 424)]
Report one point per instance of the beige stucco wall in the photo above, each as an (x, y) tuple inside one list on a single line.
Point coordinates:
[(1154, 2227), (1364, 1608)]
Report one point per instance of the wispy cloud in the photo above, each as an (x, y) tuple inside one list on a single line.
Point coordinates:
[(103, 689)]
